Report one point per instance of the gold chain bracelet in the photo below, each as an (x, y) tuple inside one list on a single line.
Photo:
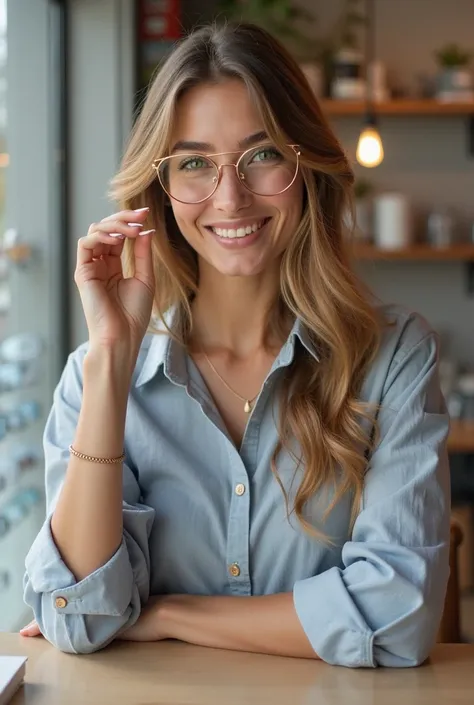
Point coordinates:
[(92, 459)]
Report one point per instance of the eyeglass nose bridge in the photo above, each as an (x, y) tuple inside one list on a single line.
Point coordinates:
[(218, 178)]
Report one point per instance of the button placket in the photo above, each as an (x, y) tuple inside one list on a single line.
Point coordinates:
[(238, 528)]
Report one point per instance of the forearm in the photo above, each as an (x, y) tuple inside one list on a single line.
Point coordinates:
[(87, 521), (266, 624)]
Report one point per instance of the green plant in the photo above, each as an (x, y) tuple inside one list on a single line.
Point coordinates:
[(452, 56), (350, 21), (362, 189), (282, 18)]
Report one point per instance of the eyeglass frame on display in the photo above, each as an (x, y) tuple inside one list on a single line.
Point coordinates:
[(156, 164)]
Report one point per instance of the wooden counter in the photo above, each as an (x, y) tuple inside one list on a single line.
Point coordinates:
[(173, 673), (461, 436)]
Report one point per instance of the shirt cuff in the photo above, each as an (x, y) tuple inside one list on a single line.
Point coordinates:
[(335, 628), (106, 591)]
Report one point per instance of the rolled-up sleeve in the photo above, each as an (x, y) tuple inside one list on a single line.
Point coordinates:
[(383, 606), (94, 610)]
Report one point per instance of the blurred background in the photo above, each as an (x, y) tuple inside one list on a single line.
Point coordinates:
[(396, 81)]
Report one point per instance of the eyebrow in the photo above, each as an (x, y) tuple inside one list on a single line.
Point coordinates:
[(207, 147)]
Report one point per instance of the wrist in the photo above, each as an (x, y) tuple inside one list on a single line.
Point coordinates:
[(107, 377), (112, 363), (170, 612)]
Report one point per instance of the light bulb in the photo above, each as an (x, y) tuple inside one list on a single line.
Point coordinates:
[(369, 149)]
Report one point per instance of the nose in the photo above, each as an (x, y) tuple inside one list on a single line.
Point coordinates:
[(230, 195)]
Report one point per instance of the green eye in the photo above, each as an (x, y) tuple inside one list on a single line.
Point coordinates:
[(193, 163), (266, 154)]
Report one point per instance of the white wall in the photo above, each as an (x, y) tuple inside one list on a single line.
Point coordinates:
[(101, 69)]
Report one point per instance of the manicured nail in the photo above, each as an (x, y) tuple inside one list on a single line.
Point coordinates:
[(119, 236), (135, 225), (140, 210), (147, 232)]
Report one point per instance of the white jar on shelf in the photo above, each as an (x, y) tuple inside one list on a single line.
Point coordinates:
[(348, 83), (393, 228)]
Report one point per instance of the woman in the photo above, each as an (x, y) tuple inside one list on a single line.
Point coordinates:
[(284, 482)]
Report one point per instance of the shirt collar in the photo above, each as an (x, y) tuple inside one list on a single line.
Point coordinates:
[(299, 331), (164, 351)]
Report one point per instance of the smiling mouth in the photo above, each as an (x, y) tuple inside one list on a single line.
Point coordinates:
[(239, 233)]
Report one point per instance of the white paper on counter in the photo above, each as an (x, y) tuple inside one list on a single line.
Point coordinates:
[(12, 672)]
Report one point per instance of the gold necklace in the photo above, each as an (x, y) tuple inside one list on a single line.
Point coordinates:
[(248, 405)]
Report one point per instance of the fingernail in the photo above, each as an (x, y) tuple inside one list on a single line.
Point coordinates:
[(119, 236), (147, 232), (140, 210), (135, 225)]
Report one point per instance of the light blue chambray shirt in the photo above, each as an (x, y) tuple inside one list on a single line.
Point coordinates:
[(206, 518)]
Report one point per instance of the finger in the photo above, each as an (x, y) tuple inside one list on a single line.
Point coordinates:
[(91, 250), (139, 215), (104, 241), (143, 258), (31, 629), (115, 226)]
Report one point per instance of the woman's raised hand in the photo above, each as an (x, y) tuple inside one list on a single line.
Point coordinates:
[(117, 310)]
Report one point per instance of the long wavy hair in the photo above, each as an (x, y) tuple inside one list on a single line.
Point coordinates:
[(319, 403)]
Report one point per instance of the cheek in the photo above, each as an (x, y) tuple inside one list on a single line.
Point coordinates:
[(186, 217), (290, 204)]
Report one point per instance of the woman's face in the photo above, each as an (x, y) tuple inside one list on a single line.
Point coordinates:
[(221, 118)]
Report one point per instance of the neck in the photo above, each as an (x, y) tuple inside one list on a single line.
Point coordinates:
[(232, 312)]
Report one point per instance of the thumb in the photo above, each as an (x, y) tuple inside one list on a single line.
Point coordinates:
[(143, 258)]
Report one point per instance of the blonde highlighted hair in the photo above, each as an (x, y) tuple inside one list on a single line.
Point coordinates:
[(320, 406)]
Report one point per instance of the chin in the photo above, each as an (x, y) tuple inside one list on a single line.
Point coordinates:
[(240, 269)]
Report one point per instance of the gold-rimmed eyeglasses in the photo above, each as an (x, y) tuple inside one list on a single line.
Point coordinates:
[(193, 178)]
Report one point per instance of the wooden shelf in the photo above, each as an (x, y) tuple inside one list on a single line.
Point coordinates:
[(461, 437), (397, 107), (420, 253)]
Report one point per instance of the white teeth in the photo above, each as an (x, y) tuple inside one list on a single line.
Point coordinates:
[(240, 232)]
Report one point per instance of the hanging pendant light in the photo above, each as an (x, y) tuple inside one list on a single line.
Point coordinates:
[(369, 148)]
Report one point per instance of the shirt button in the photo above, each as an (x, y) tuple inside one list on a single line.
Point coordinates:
[(60, 602), (240, 489), (234, 570)]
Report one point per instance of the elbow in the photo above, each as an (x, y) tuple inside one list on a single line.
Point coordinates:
[(82, 634), (78, 647), (408, 644), (402, 655), (78, 633), (407, 655)]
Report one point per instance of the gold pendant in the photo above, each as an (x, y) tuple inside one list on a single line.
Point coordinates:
[(247, 407)]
